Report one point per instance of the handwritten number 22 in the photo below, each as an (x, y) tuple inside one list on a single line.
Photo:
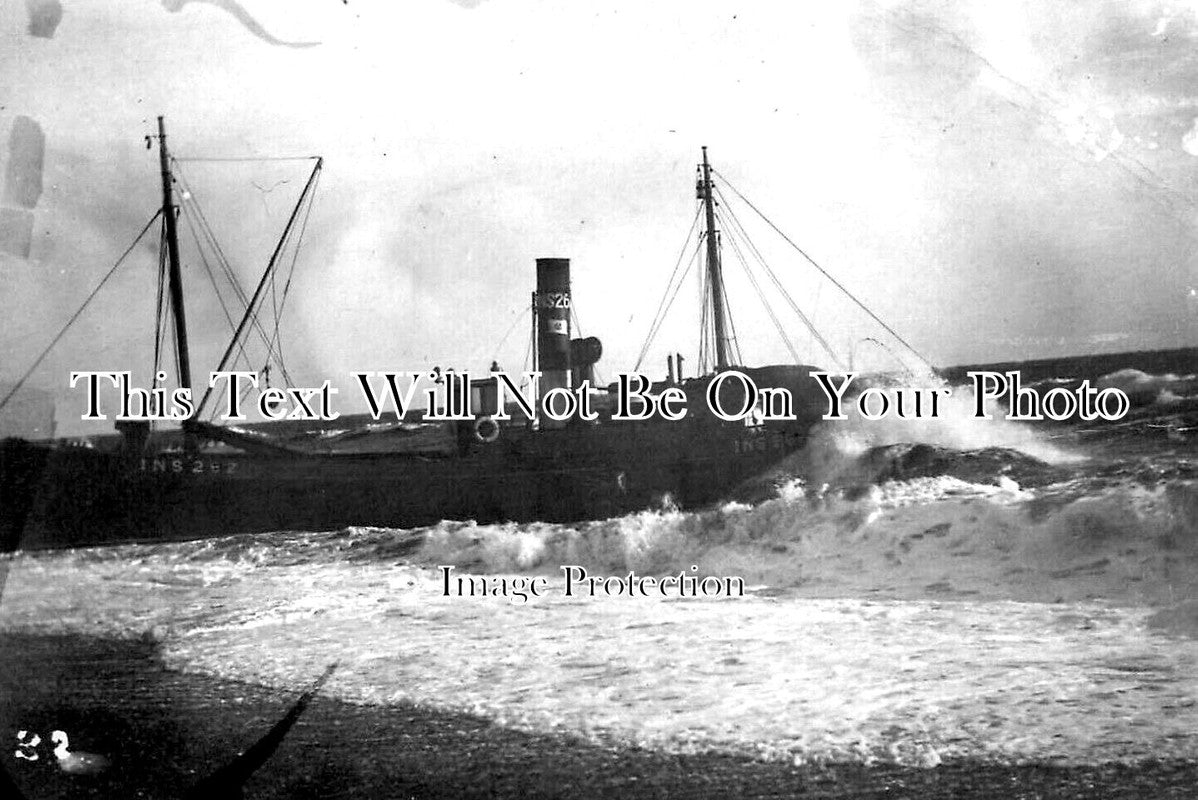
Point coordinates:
[(28, 743)]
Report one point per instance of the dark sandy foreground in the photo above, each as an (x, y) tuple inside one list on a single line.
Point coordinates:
[(164, 730)]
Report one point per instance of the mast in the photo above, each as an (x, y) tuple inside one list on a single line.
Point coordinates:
[(715, 276), (174, 272)]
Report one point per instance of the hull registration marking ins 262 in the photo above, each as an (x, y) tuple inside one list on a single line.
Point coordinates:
[(192, 466)]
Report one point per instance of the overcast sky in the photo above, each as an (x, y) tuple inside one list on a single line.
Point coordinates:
[(997, 180)]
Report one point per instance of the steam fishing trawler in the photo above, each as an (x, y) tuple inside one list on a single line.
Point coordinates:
[(206, 479)]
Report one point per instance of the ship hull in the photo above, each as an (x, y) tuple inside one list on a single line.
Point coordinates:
[(62, 496)]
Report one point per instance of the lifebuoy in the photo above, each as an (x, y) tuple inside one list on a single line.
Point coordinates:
[(486, 429)]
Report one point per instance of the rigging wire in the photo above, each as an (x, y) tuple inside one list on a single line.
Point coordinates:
[(160, 309), (677, 287), (175, 350), (738, 229), (209, 235), (519, 318), (271, 342), (218, 252), (733, 341), (307, 196), (158, 318), (704, 348), (251, 313), (211, 275), (16, 387), (530, 354), (659, 315), (231, 159), (242, 356), (827, 275), (276, 340), (757, 288), (228, 317)]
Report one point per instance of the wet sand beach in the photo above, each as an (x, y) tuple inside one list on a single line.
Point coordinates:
[(164, 730)]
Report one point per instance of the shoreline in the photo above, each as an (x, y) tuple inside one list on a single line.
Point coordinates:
[(164, 730)]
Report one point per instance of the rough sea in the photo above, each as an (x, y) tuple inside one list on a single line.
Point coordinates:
[(915, 592)]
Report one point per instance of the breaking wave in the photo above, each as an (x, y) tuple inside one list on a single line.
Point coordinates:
[(932, 590), (890, 609), (928, 537), (1143, 388), (1128, 541), (948, 507)]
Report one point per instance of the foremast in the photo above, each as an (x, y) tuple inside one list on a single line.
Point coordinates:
[(174, 271)]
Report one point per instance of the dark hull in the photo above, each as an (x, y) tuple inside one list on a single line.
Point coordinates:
[(62, 496)]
